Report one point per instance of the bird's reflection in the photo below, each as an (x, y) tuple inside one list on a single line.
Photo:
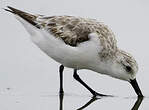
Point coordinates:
[(88, 103), (61, 96), (93, 99)]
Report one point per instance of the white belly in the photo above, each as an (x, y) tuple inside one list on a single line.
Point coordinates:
[(80, 57)]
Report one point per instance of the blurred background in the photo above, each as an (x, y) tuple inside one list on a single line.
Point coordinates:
[(26, 71)]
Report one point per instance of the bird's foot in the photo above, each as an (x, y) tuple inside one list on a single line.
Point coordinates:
[(101, 95)]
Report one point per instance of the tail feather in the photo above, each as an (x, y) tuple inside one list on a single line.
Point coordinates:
[(26, 16)]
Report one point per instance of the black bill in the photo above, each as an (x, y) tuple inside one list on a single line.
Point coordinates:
[(136, 87)]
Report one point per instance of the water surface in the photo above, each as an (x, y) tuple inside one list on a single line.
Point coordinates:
[(45, 101)]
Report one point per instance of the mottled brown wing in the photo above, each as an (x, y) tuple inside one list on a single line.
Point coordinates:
[(72, 30)]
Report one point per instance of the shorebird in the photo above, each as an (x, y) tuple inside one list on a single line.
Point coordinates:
[(80, 43)]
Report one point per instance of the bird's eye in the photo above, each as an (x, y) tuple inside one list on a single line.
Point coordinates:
[(128, 68)]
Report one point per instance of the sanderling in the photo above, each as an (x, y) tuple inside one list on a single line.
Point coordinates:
[(80, 43)]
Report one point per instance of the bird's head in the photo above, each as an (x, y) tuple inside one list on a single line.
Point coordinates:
[(125, 68)]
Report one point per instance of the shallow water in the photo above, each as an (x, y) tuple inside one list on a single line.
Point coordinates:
[(45, 101)]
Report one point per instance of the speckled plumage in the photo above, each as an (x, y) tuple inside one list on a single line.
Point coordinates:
[(75, 30)]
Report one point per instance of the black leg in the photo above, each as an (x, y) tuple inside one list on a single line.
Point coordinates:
[(61, 68), (76, 76)]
